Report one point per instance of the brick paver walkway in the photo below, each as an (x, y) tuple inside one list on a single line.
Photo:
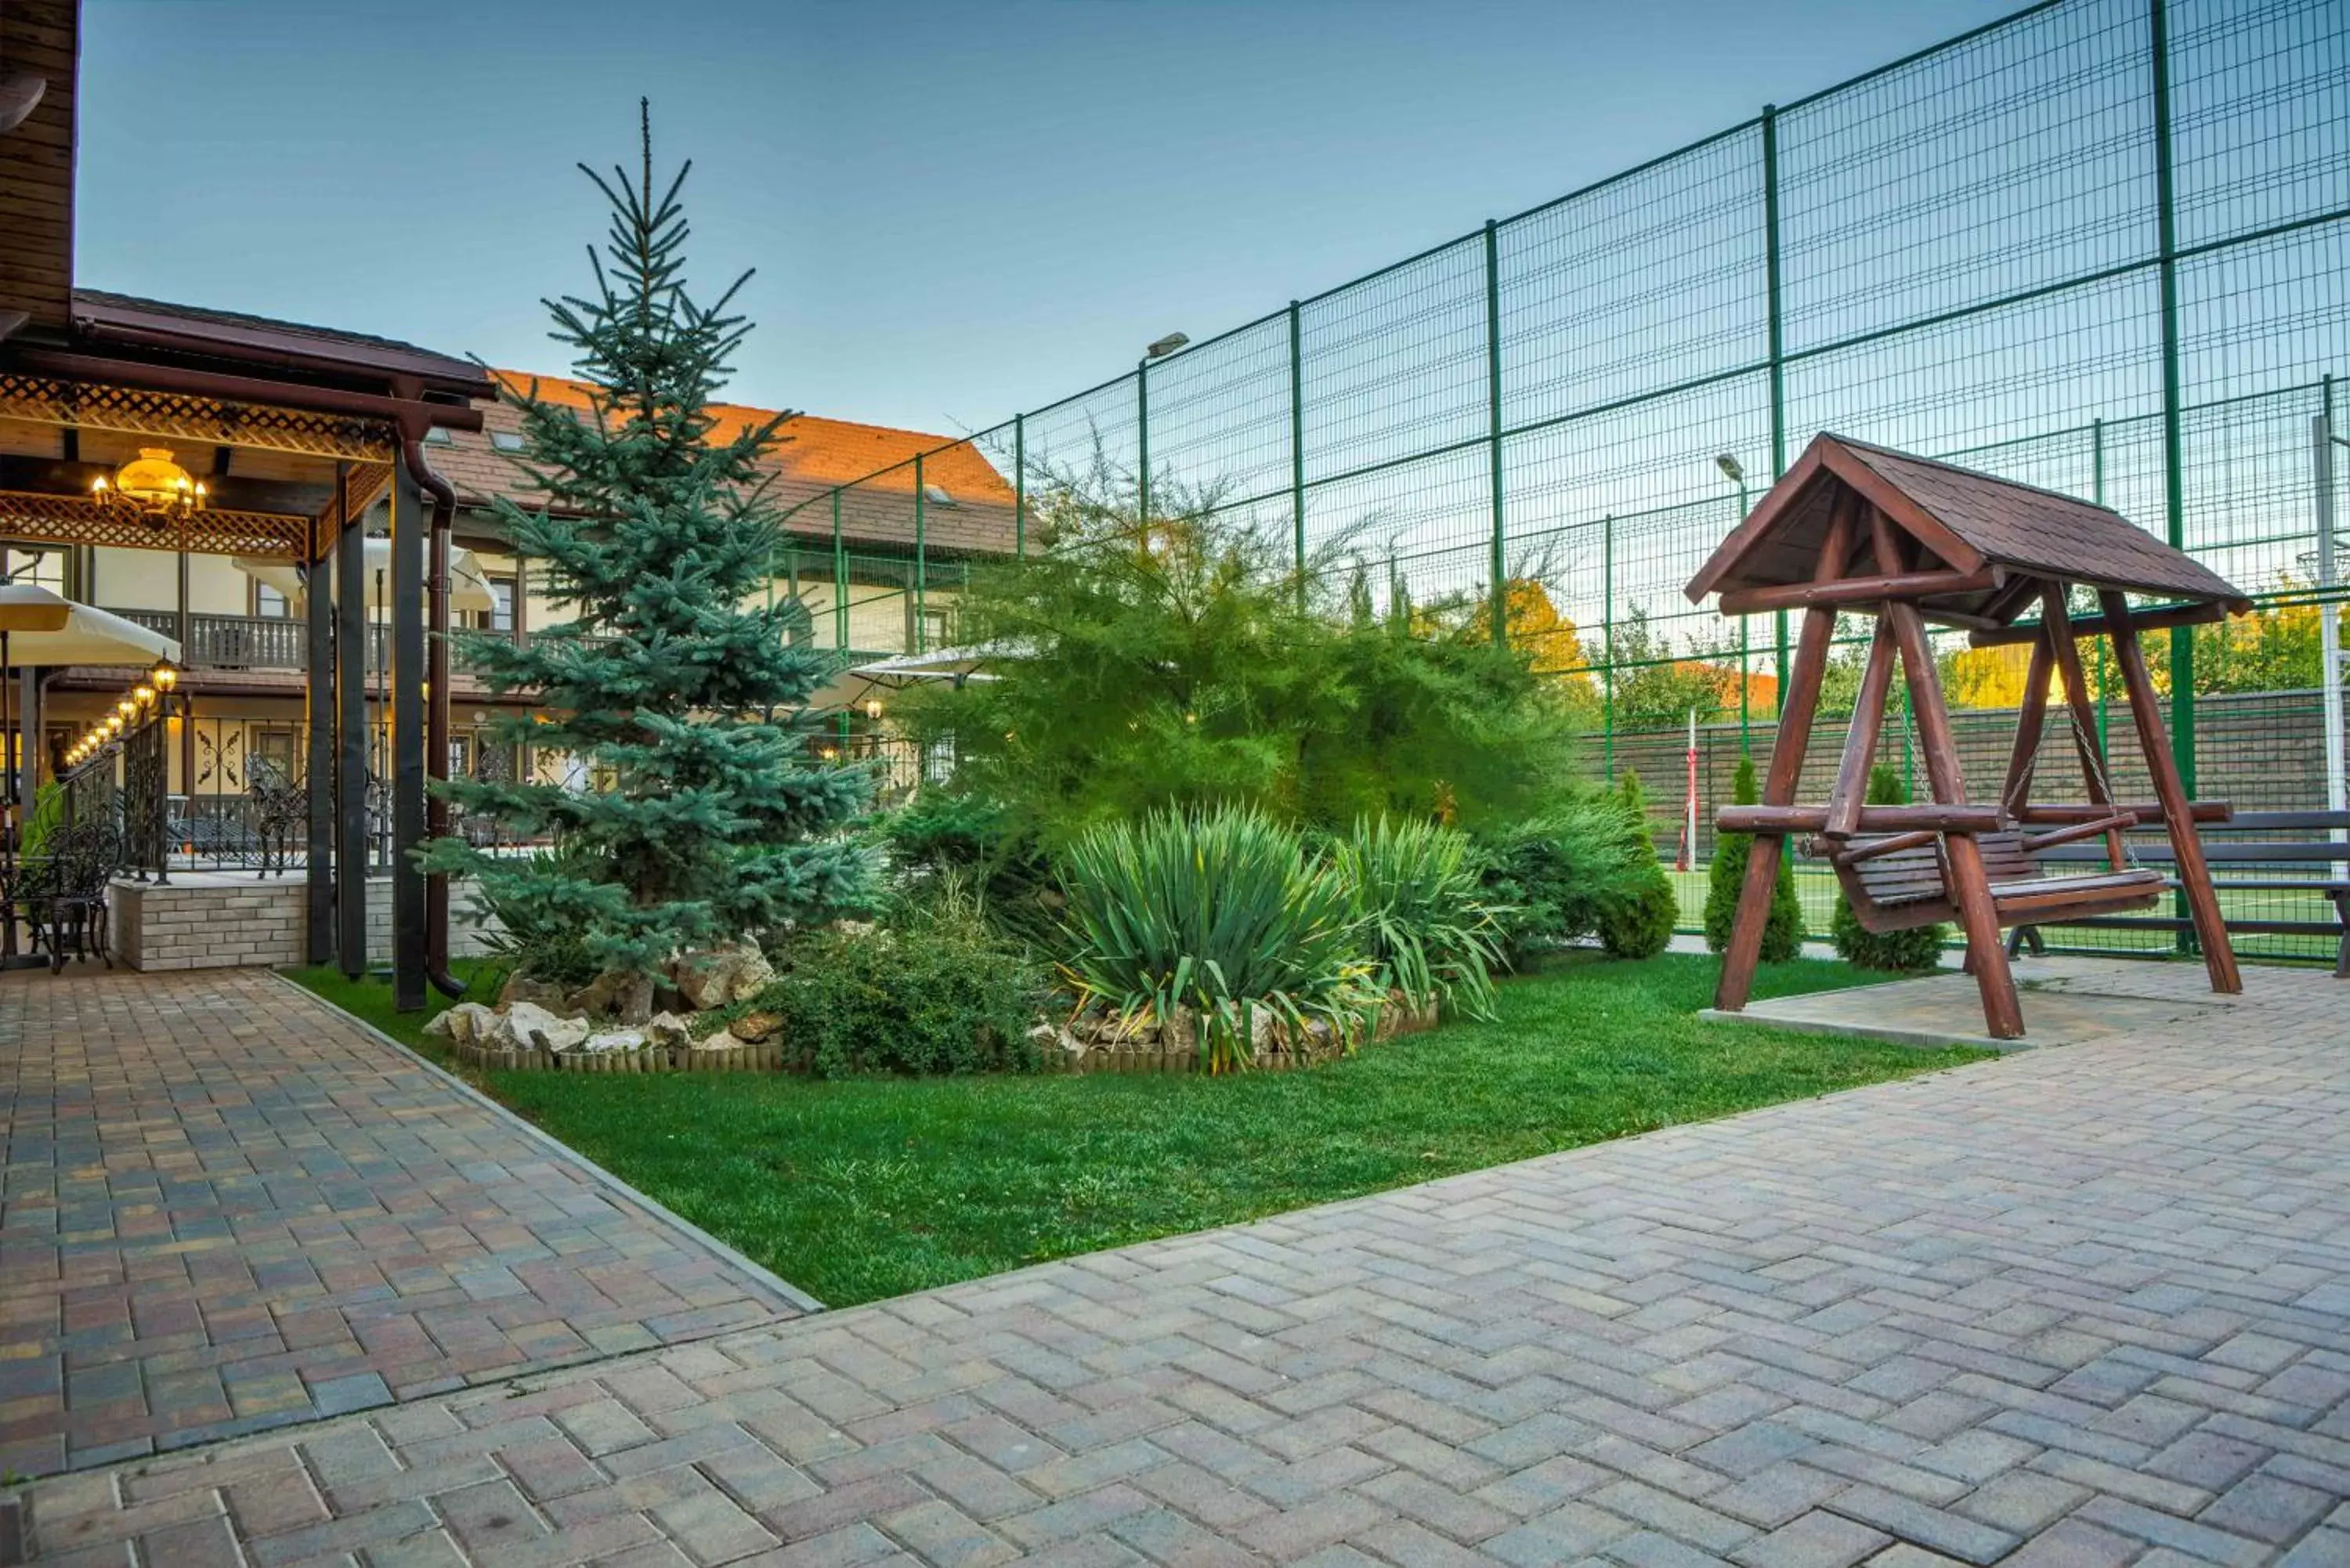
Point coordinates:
[(2085, 1305), (225, 1208)]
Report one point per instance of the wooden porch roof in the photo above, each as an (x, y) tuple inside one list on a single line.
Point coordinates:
[(1972, 523)]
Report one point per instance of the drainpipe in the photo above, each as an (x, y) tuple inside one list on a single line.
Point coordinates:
[(436, 709)]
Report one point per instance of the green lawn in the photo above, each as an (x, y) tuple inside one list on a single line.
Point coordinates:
[(866, 1188)]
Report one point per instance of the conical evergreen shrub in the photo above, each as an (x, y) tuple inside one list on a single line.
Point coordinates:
[(1782, 936)]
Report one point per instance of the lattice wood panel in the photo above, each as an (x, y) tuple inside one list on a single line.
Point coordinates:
[(369, 482), (78, 520), (204, 420)]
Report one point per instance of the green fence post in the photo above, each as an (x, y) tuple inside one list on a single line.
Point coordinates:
[(840, 580), (1143, 444), (2174, 482), (1019, 486), (1608, 639), (2105, 680), (1776, 346), (1297, 447), (921, 563), (1494, 439)]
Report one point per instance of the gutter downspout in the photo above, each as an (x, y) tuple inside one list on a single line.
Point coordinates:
[(436, 709)]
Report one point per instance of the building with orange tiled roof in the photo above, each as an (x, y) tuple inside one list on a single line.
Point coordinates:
[(883, 527)]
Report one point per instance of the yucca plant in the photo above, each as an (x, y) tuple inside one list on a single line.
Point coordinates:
[(1220, 913), (1416, 892)]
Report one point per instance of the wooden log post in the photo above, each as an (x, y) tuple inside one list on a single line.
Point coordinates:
[(2178, 817), (1798, 703), (1851, 790), (2060, 639), (1970, 883), (2031, 720)]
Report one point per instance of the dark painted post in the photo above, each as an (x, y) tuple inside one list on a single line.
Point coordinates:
[(408, 677), (318, 760), (351, 748)]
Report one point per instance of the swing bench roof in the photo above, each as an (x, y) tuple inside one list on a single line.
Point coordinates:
[(1969, 522)]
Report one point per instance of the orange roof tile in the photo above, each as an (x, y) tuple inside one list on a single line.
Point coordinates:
[(811, 456)]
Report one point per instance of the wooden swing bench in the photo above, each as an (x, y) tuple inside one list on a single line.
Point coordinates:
[(1859, 529), (1901, 881)]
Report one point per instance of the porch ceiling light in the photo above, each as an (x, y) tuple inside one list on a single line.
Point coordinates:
[(158, 490)]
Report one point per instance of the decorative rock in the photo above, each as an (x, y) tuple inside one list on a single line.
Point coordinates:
[(521, 988), (712, 976), (667, 1029), (530, 1026), (754, 975), (615, 1040), (756, 1026), (467, 1023), (621, 993)]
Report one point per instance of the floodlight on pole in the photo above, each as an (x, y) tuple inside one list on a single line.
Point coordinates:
[(1736, 471), (1166, 345)]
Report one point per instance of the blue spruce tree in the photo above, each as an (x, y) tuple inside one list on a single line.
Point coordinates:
[(672, 682)]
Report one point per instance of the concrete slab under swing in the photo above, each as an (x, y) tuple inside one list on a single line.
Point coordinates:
[(2067, 1000)]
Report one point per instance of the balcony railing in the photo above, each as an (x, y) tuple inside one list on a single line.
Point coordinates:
[(230, 642)]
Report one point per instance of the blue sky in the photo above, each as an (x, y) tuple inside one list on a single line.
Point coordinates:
[(956, 209)]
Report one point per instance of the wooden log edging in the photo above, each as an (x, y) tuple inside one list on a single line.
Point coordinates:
[(771, 1056), (767, 1057)]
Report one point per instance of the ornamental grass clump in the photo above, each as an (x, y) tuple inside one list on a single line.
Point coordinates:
[(1422, 913), (1221, 917)]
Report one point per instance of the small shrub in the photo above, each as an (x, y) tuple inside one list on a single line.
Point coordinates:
[(1636, 916), (1223, 913), (1918, 948), (1783, 934), (1551, 877), (1415, 891), (936, 996), (527, 930), (938, 829)]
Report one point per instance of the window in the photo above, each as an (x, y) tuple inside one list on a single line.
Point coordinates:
[(499, 616), (940, 496), (269, 603), (506, 441), (932, 626), (437, 436), (47, 569)]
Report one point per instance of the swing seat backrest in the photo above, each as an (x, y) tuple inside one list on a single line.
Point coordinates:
[(1904, 889)]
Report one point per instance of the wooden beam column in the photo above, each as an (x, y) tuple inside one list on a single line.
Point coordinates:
[(318, 760), (2177, 816), (351, 748), (2057, 623), (1970, 884), (408, 680), (1860, 741), (1799, 703)]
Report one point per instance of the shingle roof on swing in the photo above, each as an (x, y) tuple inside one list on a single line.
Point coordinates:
[(1970, 520)]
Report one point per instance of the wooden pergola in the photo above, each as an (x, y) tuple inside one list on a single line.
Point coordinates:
[(1860, 529), (296, 431)]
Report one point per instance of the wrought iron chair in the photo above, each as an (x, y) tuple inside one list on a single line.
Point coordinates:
[(61, 895)]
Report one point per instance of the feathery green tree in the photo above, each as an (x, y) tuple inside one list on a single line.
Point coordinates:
[(670, 681)]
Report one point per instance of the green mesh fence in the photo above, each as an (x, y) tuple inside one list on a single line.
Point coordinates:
[(2102, 245)]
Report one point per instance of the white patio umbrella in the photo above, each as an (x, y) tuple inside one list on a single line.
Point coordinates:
[(469, 588), (44, 630)]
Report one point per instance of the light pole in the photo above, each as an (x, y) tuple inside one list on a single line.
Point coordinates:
[(1736, 473)]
